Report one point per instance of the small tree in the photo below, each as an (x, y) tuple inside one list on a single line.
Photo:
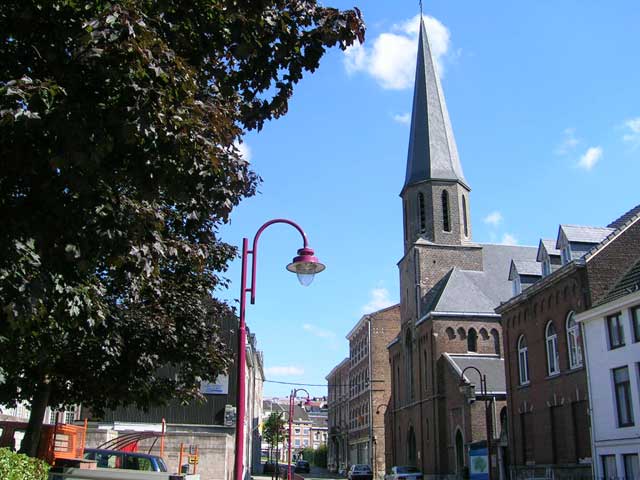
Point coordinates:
[(119, 126), (274, 430)]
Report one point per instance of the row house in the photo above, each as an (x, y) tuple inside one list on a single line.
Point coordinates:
[(359, 436), (547, 385), (611, 334)]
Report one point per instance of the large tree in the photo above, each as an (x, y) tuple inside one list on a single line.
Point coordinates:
[(119, 131)]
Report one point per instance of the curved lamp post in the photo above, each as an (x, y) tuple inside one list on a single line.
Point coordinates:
[(305, 265), (469, 390), (292, 397)]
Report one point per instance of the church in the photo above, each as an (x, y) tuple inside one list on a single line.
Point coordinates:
[(439, 409)]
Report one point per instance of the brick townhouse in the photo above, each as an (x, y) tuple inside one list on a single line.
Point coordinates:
[(548, 411)]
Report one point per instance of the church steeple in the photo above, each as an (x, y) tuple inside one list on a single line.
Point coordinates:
[(433, 154), (435, 192)]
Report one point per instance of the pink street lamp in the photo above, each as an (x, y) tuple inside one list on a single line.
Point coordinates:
[(305, 265), (292, 397)]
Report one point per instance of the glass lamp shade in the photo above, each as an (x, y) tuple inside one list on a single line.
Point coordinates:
[(305, 266)]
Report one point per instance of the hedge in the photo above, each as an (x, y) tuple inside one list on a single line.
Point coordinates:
[(16, 466)]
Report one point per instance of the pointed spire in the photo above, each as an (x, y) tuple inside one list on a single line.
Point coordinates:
[(433, 154)]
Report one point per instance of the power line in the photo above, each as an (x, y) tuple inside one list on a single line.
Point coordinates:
[(320, 384)]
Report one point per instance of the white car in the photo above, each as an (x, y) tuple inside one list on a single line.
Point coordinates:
[(404, 473)]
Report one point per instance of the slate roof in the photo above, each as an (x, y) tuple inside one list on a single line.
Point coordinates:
[(624, 218), (629, 283), (490, 365), (467, 291), (583, 234), (526, 267), (432, 148), (549, 246)]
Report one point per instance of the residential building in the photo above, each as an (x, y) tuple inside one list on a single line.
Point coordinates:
[(611, 334), (369, 386), (449, 288), (548, 411), (338, 403)]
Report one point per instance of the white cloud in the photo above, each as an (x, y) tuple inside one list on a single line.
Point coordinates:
[(633, 134), (391, 59), (569, 142), (509, 239), (379, 299), (284, 370), (245, 150), (590, 158), (317, 331), (404, 118), (494, 218)]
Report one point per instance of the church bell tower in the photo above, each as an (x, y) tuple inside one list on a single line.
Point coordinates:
[(435, 195)]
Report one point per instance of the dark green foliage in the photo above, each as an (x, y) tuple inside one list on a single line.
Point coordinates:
[(119, 125), (15, 466), (317, 457)]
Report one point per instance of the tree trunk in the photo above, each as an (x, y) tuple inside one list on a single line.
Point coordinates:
[(39, 404)]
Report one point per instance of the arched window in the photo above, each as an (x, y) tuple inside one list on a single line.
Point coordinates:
[(409, 364), (464, 216), (411, 443), (523, 360), (459, 452), (496, 340), (573, 342), (472, 341), (422, 216), (446, 224), (450, 333), (553, 365)]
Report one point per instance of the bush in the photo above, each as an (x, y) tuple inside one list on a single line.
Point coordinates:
[(15, 466)]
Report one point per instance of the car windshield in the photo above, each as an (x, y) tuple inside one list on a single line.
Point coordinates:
[(362, 468), (407, 470)]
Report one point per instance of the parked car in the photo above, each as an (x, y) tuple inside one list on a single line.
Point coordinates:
[(302, 466), (404, 473), (125, 460), (360, 472)]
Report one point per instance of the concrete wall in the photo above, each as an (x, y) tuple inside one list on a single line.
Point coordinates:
[(215, 450)]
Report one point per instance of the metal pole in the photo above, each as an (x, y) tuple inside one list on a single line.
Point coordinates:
[(242, 359), (290, 431), (488, 418)]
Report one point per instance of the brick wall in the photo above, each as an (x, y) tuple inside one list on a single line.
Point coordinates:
[(606, 267)]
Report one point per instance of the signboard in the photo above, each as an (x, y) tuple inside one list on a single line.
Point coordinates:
[(478, 464), (219, 387)]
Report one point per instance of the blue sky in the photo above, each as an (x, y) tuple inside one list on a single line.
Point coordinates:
[(545, 106)]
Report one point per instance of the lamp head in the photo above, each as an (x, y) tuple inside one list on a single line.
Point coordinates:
[(305, 265)]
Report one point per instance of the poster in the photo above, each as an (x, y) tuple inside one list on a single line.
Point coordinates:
[(478, 464), (219, 387)]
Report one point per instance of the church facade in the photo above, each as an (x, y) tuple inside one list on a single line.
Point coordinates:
[(449, 288)]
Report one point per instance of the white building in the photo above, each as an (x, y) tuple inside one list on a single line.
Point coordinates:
[(611, 333)]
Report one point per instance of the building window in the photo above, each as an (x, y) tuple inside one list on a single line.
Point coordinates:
[(573, 342), (296, 442), (409, 364), (546, 266), (566, 254), (631, 467), (622, 389), (635, 320), (472, 341), (496, 341), (446, 224), (609, 469), (553, 366), (464, 216), (517, 286), (615, 331), (523, 360), (422, 213)]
